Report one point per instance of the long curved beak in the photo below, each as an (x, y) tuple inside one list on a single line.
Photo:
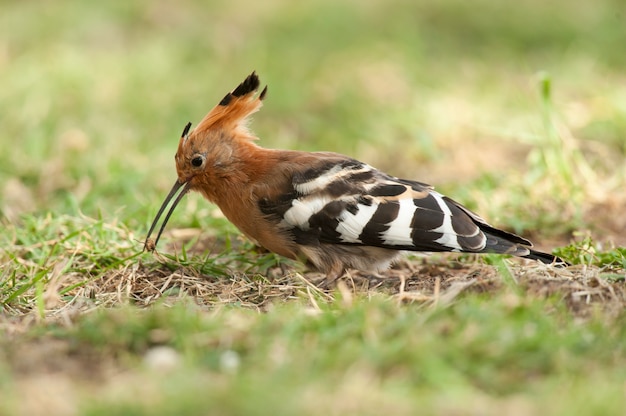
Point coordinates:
[(149, 244)]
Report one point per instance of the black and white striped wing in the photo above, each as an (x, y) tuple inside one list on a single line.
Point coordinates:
[(352, 203)]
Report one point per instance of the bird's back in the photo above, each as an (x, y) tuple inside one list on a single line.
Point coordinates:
[(333, 200)]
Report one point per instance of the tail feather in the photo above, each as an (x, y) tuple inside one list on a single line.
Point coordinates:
[(501, 242), (546, 258)]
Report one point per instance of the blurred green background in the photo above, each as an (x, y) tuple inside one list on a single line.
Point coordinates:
[(93, 96)]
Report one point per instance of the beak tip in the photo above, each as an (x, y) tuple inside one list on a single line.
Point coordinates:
[(149, 245)]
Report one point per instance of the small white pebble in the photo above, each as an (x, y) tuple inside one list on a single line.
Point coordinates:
[(162, 358), (229, 361)]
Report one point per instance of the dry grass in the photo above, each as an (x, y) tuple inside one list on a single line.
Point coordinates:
[(435, 281)]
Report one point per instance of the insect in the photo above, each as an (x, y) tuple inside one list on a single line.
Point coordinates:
[(335, 211)]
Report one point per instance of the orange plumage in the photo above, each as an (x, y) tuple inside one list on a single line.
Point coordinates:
[(337, 212)]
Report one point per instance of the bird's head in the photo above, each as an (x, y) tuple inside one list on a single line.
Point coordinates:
[(208, 153)]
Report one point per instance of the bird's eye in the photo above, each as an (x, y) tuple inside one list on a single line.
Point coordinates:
[(197, 161)]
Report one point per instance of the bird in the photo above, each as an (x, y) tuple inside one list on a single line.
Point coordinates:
[(333, 211)]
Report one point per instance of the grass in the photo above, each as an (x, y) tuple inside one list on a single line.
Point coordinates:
[(518, 112), (361, 357)]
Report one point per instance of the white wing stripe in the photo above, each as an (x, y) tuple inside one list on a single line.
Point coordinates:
[(351, 225), (449, 237), (303, 209), (322, 181), (399, 232)]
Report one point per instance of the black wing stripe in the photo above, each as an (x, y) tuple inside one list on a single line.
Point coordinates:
[(326, 221), (375, 228), (427, 203), (462, 224), (426, 240), (387, 189), (426, 219)]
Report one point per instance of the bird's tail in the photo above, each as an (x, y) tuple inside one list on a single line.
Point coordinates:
[(546, 258), (503, 242)]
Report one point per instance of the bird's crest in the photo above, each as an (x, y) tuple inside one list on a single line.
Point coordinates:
[(235, 107)]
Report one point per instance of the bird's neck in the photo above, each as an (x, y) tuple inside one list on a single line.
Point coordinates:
[(233, 184)]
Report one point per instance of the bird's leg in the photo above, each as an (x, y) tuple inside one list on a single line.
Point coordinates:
[(374, 280), (402, 295), (332, 275), (402, 284)]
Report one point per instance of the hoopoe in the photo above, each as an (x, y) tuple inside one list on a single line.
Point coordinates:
[(335, 211)]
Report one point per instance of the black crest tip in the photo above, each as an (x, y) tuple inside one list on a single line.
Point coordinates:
[(186, 129), (226, 100), (250, 84), (263, 94)]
